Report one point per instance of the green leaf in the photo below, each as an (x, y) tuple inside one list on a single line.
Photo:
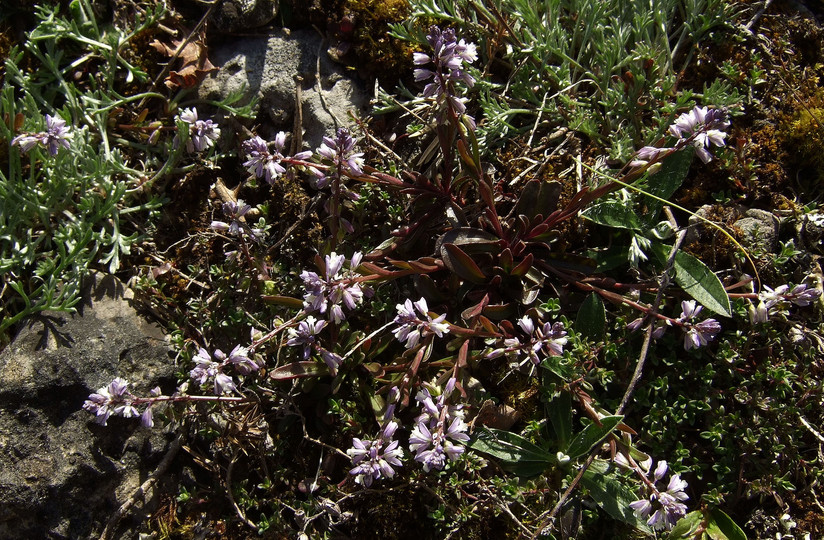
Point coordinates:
[(613, 213), (697, 280), (720, 526), (591, 321), (515, 453), (687, 526), (560, 415), (605, 488), (592, 435), (666, 181), (298, 370)]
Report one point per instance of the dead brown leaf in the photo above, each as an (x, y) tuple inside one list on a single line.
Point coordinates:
[(191, 60)]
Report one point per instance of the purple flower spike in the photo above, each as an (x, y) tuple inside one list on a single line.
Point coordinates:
[(548, 337), (662, 509), (704, 127), (697, 334), (412, 327), (448, 56), (202, 133), (439, 431), (55, 136), (375, 459), (340, 151), (328, 295)]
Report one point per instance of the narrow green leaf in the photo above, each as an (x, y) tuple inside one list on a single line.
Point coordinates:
[(288, 301), (697, 280), (591, 321), (515, 453), (298, 370), (606, 489), (592, 435)]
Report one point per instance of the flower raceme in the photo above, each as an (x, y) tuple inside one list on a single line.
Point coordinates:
[(779, 298), (337, 289), (700, 333), (662, 509), (340, 150), (448, 56), (209, 368), (268, 164), (305, 335), (701, 128), (412, 327), (549, 338), (202, 133), (55, 136), (374, 459), (439, 431), (116, 399)]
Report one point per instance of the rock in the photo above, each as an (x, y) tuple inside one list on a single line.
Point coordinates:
[(266, 67), (61, 475), (759, 230), (234, 15)]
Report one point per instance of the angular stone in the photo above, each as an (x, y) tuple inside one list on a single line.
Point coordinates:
[(62, 475), (266, 67)]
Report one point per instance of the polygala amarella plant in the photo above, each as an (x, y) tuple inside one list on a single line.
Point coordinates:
[(478, 254)]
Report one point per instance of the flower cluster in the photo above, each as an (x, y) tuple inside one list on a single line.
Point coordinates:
[(306, 335), (701, 127), (704, 127), (697, 334), (439, 430), (325, 295), (374, 459), (449, 55), (235, 211), (55, 136), (778, 298), (210, 368), (340, 150), (548, 337), (267, 164), (662, 509), (115, 399), (412, 327), (202, 133)]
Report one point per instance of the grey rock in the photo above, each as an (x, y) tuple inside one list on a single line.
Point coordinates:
[(269, 68), (61, 475), (235, 15), (759, 230)]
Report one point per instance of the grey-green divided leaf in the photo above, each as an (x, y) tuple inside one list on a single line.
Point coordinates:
[(592, 435), (515, 453), (591, 321), (608, 492), (697, 280)]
